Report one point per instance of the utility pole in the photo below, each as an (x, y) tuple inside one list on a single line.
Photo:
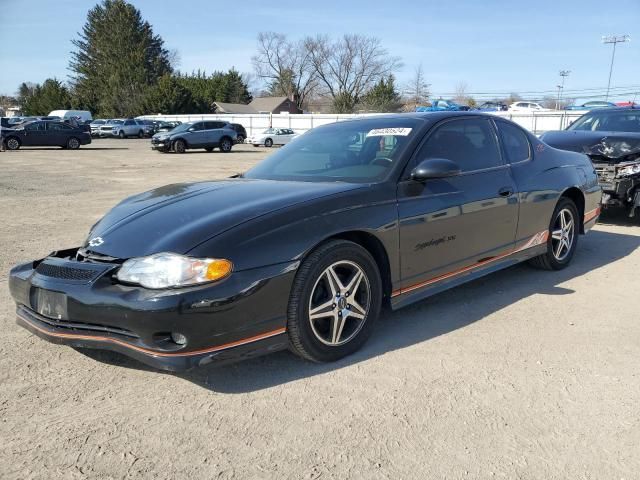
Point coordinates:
[(563, 74), (615, 39)]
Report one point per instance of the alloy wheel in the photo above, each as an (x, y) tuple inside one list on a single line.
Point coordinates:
[(73, 143), (339, 303), (562, 234), (225, 146), (13, 144)]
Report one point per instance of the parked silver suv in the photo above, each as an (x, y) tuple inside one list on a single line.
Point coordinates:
[(123, 128), (207, 134)]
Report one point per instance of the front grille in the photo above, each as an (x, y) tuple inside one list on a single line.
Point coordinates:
[(605, 172), (73, 326), (65, 273)]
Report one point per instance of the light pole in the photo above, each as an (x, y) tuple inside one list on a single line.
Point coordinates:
[(615, 39), (563, 74)]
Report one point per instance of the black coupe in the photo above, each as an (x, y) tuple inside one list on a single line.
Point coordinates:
[(304, 250), (46, 133)]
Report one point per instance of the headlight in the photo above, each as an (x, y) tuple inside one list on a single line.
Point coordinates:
[(163, 270), (629, 170)]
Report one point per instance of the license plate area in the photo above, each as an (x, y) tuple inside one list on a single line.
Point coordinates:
[(51, 304)]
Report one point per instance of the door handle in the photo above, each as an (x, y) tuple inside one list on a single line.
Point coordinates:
[(505, 191)]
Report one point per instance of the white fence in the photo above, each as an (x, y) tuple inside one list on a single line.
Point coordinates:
[(535, 122)]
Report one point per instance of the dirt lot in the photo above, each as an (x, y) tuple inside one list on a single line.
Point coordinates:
[(523, 375)]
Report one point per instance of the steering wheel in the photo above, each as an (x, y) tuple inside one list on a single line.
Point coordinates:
[(382, 161)]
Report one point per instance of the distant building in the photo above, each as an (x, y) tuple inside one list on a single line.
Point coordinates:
[(260, 105)]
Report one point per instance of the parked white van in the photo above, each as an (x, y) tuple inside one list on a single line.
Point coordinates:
[(84, 115)]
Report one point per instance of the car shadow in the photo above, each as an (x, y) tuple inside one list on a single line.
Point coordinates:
[(423, 321), (619, 217)]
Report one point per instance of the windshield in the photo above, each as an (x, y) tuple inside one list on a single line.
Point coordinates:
[(359, 151), (607, 121), (183, 127)]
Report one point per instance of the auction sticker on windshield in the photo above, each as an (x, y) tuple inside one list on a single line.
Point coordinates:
[(382, 132)]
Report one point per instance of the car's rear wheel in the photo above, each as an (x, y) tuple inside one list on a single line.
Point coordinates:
[(140, 134), (335, 300), (562, 239), (12, 143), (240, 139), (121, 134), (179, 146), (268, 142), (225, 145), (73, 143)]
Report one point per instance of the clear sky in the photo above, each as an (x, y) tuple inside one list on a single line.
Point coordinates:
[(491, 45)]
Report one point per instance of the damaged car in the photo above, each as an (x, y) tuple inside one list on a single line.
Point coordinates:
[(611, 139)]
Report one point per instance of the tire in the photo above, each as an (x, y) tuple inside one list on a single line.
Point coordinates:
[(12, 143), (179, 146), (336, 331), (121, 134), (556, 257), (73, 143), (209, 149), (226, 145), (140, 134), (268, 143), (240, 139)]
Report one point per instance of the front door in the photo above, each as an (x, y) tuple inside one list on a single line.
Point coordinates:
[(450, 225), (35, 134)]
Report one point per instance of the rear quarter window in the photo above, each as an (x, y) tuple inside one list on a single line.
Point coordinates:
[(515, 142)]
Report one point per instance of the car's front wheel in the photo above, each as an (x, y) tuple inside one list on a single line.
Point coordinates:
[(240, 139), (335, 300), (562, 238), (268, 142), (73, 143), (179, 146), (12, 143), (121, 134)]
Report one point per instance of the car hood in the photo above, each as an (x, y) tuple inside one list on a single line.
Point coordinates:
[(611, 145), (178, 217)]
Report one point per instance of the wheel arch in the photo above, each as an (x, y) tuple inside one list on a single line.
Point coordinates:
[(376, 249), (577, 196)]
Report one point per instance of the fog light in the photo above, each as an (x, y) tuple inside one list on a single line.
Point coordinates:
[(178, 338)]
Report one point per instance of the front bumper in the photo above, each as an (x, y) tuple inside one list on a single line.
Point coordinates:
[(241, 316)]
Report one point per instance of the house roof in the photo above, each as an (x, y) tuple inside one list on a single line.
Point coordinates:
[(234, 108), (267, 104)]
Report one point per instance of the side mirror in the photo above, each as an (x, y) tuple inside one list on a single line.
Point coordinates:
[(191, 129), (435, 168)]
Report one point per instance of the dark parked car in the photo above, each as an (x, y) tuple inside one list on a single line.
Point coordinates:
[(303, 250), (207, 134), (611, 138), (44, 134), (166, 126), (240, 130)]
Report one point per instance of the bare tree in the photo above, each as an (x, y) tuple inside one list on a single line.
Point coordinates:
[(286, 67), (461, 93), (417, 90), (348, 67)]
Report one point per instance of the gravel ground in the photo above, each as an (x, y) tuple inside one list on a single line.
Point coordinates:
[(522, 375)]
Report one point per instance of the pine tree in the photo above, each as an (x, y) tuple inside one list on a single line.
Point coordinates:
[(168, 96), (42, 99), (383, 97), (117, 58)]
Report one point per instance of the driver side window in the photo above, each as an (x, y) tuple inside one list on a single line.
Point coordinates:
[(470, 142)]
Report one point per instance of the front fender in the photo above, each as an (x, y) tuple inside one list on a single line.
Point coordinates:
[(287, 235)]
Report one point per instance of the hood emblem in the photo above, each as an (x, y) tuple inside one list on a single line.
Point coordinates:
[(96, 242)]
